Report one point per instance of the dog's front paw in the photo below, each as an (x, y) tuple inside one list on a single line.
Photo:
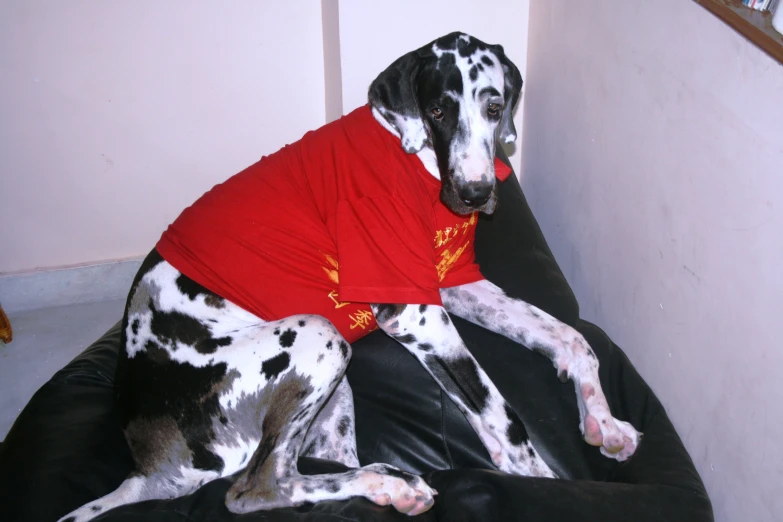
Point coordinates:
[(630, 441), (617, 439), (514, 455), (523, 460)]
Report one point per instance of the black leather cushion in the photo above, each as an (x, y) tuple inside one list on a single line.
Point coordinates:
[(66, 447)]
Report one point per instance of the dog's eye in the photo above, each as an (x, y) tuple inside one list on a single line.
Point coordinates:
[(493, 109), (437, 113)]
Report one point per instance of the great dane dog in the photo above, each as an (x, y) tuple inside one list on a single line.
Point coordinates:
[(229, 370)]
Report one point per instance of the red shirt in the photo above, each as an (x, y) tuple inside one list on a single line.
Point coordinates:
[(341, 218)]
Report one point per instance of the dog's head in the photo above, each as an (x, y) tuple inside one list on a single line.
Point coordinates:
[(455, 96)]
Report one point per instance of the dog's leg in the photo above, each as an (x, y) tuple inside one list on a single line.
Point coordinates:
[(137, 488), (270, 479), (332, 435), (428, 333), (485, 304)]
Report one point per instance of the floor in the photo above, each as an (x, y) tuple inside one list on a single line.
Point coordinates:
[(44, 341)]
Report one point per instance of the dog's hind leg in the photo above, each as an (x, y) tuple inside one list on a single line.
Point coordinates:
[(271, 480), (332, 435), (137, 488)]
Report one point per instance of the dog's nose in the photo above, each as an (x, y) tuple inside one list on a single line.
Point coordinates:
[(475, 194)]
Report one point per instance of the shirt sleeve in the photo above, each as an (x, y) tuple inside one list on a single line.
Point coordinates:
[(385, 252)]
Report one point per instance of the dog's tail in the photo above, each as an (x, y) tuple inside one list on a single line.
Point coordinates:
[(135, 488)]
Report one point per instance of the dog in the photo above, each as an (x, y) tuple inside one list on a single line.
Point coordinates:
[(238, 326)]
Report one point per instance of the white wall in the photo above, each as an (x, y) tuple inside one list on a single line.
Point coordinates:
[(116, 115), (653, 158), (372, 36)]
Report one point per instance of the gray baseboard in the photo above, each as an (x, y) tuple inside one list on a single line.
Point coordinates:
[(64, 286)]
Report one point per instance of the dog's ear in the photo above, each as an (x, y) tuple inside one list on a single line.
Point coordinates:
[(512, 88), (393, 94)]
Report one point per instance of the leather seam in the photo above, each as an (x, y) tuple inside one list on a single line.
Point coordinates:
[(443, 431)]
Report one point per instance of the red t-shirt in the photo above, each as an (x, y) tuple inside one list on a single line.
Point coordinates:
[(341, 218)]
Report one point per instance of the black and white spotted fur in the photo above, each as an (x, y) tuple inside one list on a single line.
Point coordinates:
[(206, 389)]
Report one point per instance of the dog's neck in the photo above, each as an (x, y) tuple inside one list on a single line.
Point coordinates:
[(426, 155)]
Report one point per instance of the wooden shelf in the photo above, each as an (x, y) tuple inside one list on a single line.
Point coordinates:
[(754, 25)]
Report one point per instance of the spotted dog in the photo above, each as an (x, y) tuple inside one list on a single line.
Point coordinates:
[(207, 389)]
